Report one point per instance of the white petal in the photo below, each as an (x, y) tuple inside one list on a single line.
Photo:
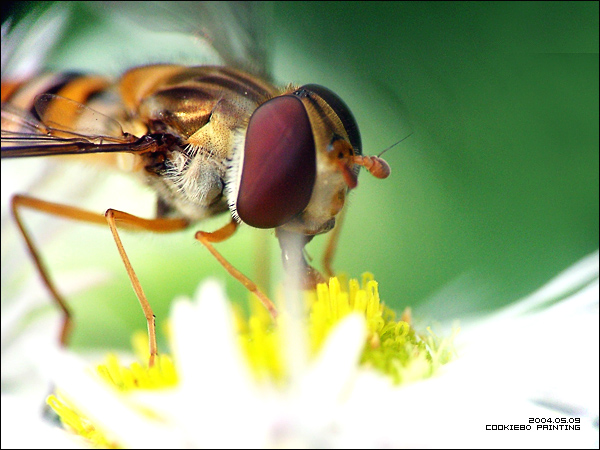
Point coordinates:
[(109, 409), (216, 388), (330, 375), (23, 426), (514, 366), (307, 416)]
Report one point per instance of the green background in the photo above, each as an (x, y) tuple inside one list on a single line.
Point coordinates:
[(497, 189), (494, 193)]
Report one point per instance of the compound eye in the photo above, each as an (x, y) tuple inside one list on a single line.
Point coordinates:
[(279, 165)]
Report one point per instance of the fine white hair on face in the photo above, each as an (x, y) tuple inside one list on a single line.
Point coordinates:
[(233, 176)]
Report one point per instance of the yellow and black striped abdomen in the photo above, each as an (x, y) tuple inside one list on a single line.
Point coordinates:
[(75, 86), (95, 92)]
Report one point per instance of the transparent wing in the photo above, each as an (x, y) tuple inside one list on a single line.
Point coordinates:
[(109, 37), (27, 43), (231, 33), (64, 127), (237, 31)]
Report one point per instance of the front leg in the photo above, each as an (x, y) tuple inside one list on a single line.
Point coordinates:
[(219, 236)]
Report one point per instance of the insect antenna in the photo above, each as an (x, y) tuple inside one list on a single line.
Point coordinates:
[(396, 143), (376, 165)]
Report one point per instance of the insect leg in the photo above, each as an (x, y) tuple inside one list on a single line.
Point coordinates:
[(112, 216), (219, 236), (332, 241), (158, 225), (22, 201)]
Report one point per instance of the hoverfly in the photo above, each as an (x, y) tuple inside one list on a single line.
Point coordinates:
[(209, 140)]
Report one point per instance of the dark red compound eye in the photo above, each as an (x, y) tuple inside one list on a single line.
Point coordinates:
[(279, 166)]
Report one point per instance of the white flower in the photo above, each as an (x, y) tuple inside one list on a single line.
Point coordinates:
[(216, 403), (532, 362)]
